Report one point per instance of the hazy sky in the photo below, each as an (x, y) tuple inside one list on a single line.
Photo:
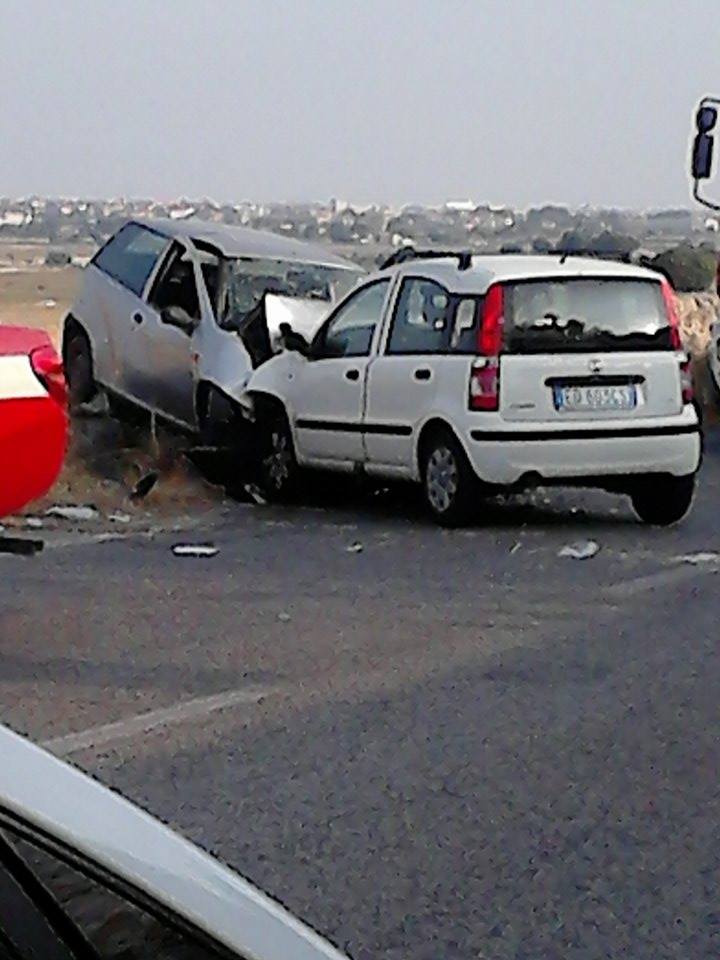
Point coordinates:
[(515, 101)]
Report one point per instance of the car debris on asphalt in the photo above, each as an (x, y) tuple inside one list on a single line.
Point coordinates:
[(34, 523), (119, 517), (355, 548), (699, 558), (195, 550), (255, 494), (284, 617), (581, 550), (72, 512), (20, 546)]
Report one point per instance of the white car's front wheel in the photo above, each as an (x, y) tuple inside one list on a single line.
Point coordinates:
[(279, 473), (449, 483)]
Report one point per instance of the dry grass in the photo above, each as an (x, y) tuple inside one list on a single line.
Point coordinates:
[(26, 295)]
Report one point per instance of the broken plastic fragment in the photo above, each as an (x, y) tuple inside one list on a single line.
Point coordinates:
[(119, 517), (256, 494), (582, 550), (195, 550), (33, 523), (702, 557), (355, 548), (515, 547), (284, 617), (19, 546), (72, 512)]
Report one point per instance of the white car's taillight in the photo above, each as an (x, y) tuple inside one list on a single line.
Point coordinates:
[(484, 391), (686, 380), (485, 383)]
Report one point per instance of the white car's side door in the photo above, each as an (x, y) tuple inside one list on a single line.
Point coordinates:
[(328, 394), (406, 379)]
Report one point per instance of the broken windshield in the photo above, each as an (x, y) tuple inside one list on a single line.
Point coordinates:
[(248, 280), (582, 315)]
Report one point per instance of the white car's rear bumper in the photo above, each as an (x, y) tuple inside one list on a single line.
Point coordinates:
[(509, 456)]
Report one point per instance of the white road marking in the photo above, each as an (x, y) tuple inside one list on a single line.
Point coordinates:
[(109, 733), (661, 578)]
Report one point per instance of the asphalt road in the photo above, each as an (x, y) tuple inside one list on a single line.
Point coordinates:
[(444, 745)]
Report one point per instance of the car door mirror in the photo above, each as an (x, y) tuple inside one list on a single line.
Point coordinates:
[(178, 317), (702, 154)]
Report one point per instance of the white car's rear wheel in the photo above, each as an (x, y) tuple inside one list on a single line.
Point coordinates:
[(661, 501), (449, 483)]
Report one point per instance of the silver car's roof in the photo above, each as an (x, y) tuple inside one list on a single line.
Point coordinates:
[(245, 242), (486, 270), (73, 808)]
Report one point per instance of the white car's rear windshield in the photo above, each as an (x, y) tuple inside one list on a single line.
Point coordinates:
[(585, 315)]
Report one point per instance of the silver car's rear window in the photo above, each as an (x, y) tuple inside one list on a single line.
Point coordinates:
[(585, 315)]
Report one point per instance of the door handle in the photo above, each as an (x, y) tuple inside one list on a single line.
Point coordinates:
[(423, 374), (138, 317), (352, 374)]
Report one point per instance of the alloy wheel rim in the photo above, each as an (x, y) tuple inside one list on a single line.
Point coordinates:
[(279, 460), (442, 479)]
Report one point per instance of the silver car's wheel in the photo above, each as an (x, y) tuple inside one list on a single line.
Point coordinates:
[(441, 479)]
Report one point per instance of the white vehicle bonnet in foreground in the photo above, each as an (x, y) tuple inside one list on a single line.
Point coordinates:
[(58, 799)]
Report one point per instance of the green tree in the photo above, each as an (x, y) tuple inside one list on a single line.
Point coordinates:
[(687, 268)]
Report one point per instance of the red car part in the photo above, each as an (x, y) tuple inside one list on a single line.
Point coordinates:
[(33, 417)]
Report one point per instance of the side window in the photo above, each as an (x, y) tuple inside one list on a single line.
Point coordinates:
[(175, 284), (350, 332), (131, 255), (465, 325), (421, 323), (115, 926)]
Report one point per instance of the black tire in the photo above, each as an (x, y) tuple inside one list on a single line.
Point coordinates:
[(79, 370), (661, 501), (217, 419), (229, 442), (450, 486), (278, 471)]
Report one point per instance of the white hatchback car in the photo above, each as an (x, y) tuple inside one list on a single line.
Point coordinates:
[(481, 374)]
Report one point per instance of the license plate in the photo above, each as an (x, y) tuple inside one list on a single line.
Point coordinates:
[(595, 398)]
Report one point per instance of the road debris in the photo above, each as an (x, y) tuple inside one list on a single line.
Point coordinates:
[(195, 550), (34, 523), (144, 485), (699, 558), (255, 494), (515, 547), (355, 548), (119, 517), (581, 550), (284, 617), (20, 546), (76, 513)]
